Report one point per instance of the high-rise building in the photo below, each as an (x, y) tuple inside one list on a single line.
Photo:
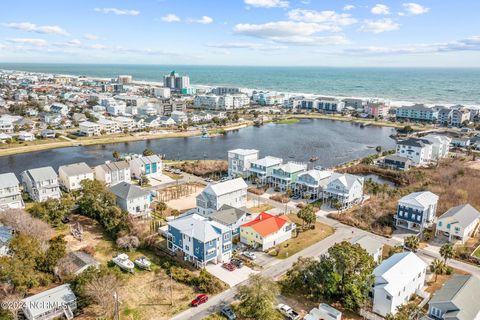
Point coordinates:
[(176, 82)]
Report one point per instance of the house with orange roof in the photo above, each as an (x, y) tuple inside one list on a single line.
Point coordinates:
[(266, 231)]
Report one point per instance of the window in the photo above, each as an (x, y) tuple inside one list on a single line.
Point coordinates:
[(440, 223), (187, 248), (388, 297)]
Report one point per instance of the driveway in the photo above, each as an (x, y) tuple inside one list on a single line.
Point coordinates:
[(232, 278)]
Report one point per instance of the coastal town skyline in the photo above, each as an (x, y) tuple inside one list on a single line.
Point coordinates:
[(246, 32)]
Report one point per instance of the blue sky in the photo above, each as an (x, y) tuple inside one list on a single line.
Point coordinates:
[(425, 33)]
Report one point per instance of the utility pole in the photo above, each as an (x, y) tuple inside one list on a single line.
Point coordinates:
[(171, 288), (116, 315)]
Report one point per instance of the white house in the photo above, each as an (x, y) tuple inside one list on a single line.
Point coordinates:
[(416, 211), (25, 136), (71, 175), (262, 169), (371, 245), (396, 280), (150, 166), (214, 196), (50, 304), (112, 173), (419, 151), (312, 183), (108, 126), (459, 223), (343, 190), (133, 199), (440, 145), (88, 128), (239, 161), (125, 123), (323, 312), (10, 195), (179, 116), (41, 184)]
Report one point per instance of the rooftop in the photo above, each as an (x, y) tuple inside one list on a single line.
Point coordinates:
[(75, 169), (463, 215), (226, 187), (266, 224), (125, 190), (419, 199)]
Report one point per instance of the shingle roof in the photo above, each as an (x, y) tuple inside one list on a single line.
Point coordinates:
[(268, 161), (47, 300), (420, 199), (228, 215), (226, 186), (126, 190), (75, 169), (463, 215), (462, 292), (8, 180), (394, 157), (371, 245), (197, 227), (413, 142), (80, 259), (114, 166), (42, 174), (265, 223), (399, 269), (346, 179)]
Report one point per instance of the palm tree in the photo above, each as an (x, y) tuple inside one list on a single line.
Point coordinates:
[(438, 267), (447, 251), (116, 155), (412, 243)]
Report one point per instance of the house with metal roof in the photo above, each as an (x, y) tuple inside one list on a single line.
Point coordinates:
[(133, 199), (311, 183), (50, 304), (214, 196), (457, 299), (71, 175), (199, 240), (323, 312), (371, 245), (149, 166), (262, 169), (74, 263), (284, 176), (10, 194), (112, 173), (231, 217), (266, 231), (41, 183), (416, 211), (459, 223), (396, 280), (343, 190)]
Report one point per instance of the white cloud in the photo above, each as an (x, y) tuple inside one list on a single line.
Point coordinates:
[(202, 20), (171, 18), (415, 8), (245, 45), (329, 19), (118, 12), (299, 33), (348, 7), (380, 9), (75, 42), (30, 41), (379, 26), (267, 3), (96, 46), (32, 27), (89, 36)]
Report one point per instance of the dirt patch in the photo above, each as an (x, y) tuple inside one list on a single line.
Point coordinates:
[(203, 168)]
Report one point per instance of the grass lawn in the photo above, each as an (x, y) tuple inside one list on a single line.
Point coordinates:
[(476, 253), (304, 239), (174, 176), (286, 121), (261, 208)]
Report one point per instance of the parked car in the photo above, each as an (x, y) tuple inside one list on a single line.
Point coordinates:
[(228, 313), (229, 266), (250, 255), (288, 312), (237, 263), (199, 300), (296, 197)]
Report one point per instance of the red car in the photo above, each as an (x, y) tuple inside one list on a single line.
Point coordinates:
[(199, 300), (229, 266)]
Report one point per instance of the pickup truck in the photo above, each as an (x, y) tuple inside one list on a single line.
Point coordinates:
[(288, 312)]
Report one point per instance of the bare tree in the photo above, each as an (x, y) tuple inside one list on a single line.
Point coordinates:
[(102, 290), (128, 242)]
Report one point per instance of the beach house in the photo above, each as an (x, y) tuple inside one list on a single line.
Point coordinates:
[(133, 199), (10, 194), (199, 240), (284, 176), (261, 170), (239, 162), (149, 166), (71, 175), (343, 190), (41, 184), (88, 128), (396, 280), (266, 231), (457, 299), (458, 223), (440, 145), (214, 196), (371, 245), (112, 173), (396, 162), (50, 304), (416, 211), (310, 184), (231, 217), (419, 151)]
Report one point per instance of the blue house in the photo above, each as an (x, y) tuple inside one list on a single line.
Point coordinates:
[(199, 240), (416, 211)]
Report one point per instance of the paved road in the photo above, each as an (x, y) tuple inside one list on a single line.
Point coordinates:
[(277, 268)]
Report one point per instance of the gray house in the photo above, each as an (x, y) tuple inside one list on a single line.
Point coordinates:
[(50, 304), (10, 195), (456, 300), (133, 199), (41, 183)]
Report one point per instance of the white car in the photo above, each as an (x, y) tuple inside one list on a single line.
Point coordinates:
[(250, 255), (288, 312)]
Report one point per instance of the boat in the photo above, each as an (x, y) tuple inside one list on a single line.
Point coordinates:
[(143, 263), (123, 262), (313, 159)]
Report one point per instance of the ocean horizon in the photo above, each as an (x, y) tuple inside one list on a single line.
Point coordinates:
[(410, 85)]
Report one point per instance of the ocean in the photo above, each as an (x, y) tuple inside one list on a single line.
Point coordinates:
[(420, 85)]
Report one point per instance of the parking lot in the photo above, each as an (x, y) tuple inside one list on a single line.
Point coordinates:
[(232, 278)]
